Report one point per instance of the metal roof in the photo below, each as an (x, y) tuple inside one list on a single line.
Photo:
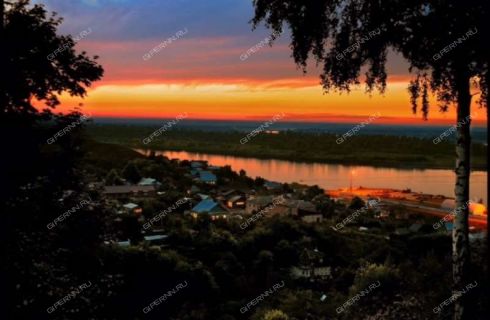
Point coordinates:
[(127, 189), (147, 182), (130, 205), (206, 205), (156, 237), (207, 176)]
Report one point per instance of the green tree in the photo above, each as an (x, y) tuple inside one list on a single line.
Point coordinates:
[(36, 67), (131, 229), (311, 192), (259, 181), (242, 173), (444, 43), (263, 265), (112, 178), (356, 203), (275, 315), (27, 37), (325, 205), (131, 172), (45, 167)]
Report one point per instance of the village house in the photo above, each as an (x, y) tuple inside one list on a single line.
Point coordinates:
[(227, 193), (195, 172), (149, 182), (311, 272), (311, 217), (202, 196), (311, 266), (211, 207), (207, 177), (198, 164), (382, 211), (304, 210), (133, 208), (272, 185), (236, 202), (255, 204), (156, 239), (126, 191)]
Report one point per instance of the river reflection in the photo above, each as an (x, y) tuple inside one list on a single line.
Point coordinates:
[(334, 176)]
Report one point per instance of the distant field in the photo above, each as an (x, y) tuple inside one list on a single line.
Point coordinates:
[(373, 150)]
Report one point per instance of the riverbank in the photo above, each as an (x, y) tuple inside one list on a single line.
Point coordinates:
[(370, 150), (416, 202), (334, 176)]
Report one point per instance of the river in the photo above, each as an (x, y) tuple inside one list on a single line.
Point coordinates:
[(335, 176)]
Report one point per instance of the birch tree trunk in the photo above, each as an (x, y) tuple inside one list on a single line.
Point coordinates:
[(487, 105), (2, 59), (461, 253)]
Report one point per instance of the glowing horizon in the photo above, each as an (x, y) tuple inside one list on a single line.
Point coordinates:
[(245, 100), (204, 74)]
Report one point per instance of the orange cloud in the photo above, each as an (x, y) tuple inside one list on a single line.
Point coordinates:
[(206, 78), (301, 99)]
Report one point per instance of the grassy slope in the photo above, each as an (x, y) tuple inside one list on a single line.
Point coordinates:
[(107, 156), (387, 151)]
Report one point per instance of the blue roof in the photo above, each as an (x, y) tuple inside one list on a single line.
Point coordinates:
[(207, 205), (207, 176), (197, 164), (272, 184)]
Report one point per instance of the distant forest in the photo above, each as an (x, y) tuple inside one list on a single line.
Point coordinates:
[(373, 150), (426, 131)]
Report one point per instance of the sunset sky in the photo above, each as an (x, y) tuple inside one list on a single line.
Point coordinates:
[(204, 73)]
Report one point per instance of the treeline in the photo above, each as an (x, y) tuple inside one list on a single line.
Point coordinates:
[(387, 151)]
